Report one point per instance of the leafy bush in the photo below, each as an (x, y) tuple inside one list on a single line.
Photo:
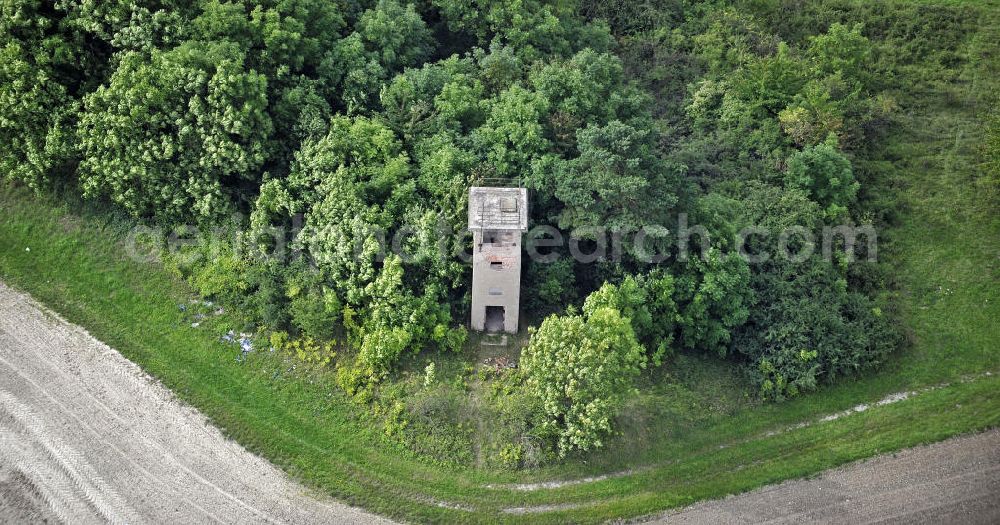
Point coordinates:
[(580, 368), (316, 312), (36, 116), (713, 298), (647, 302), (807, 327), (223, 278), (168, 130), (826, 174)]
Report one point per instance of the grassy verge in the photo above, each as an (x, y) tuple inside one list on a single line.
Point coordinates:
[(947, 245)]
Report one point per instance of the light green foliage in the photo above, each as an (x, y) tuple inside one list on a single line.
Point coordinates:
[(647, 302), (587, 88), (352, 183), (513, 136), (223, 278), (442, 96), (39, 68), (731, 40), (833, 100), (35, 112), (314, 310), (767, 85), (283, 37), (713, 298), (396, 35), (841, 50), (165, 133), (306, 349), (581, 369), (127, 23), (355, 185), (294, 44), (826, 174), (429, 374), (396, 321), (386, 39), (530, 27)]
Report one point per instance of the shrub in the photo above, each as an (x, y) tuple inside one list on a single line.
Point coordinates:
[(315, 312), (807, 328), (580, 369), (647, 302), (223, 278), (713, 298), (826, 174)]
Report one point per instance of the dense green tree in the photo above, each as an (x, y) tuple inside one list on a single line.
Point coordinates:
[(617, 182), (512, 136), (42, 67), (841, 50), (441, 96), (386, 39), (585, 89), (281, 38), (826, 174), (713, 298), (531, 28), (36, 118), (647, 302), (396, 320), (807, 327), (352, 184), (581, 368), (357, 188), (168, 136)]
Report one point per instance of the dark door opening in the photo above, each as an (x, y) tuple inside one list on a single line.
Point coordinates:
[(494, 318)]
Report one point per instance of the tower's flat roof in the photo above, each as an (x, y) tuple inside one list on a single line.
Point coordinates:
[(498, 208)]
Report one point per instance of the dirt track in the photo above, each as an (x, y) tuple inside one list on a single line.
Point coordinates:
[(86, 436), (955, 481)]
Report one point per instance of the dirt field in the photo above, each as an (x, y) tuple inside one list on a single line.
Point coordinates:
[(86, 436), (955, 481)]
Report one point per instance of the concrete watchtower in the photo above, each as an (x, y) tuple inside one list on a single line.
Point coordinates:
[(497, 218)]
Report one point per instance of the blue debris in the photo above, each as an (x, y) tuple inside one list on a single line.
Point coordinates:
[(182, 307), (244, 340)]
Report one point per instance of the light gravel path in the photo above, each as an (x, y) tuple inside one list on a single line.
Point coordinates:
[(955, 481), (87, 437)]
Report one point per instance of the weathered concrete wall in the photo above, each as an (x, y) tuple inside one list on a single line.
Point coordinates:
[(487, 279)]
